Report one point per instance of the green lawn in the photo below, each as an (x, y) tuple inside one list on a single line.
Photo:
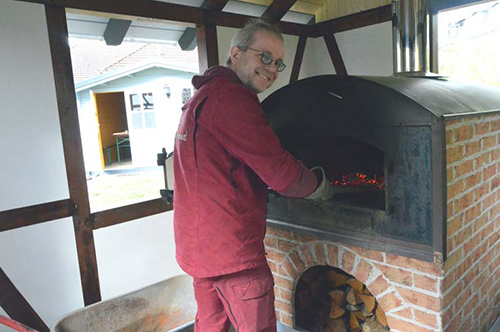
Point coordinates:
[(110, 191)]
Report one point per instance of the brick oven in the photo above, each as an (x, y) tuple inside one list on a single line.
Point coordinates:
[(425, 242)]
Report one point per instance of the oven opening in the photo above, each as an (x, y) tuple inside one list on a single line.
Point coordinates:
[(354, 168), (328, 299)]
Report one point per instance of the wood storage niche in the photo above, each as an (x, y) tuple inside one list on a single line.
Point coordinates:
[(329, 300)]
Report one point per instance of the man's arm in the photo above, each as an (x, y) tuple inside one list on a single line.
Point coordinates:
[(240, 126)]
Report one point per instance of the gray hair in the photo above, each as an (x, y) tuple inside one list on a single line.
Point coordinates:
[(246, 36)]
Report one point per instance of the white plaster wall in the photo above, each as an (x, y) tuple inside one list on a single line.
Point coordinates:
[(135, 254), (316, 60), (41, 260), (32, 159), (366, 51)]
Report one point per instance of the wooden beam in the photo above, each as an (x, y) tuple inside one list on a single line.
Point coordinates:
[(127, 213), (16, 306), (433, 43), (4, 320), (278, 9), (187, 42), (297, 61), (73, 153), (354, 21), (333, 49), (35, 214), (208, 49), (171, 12), (214, 4), (115, 31)]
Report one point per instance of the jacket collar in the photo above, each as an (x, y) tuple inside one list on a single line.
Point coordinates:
[(213, 72)]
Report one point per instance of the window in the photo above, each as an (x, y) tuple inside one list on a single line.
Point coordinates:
[(468, 43), (142, 107), (148, 101)]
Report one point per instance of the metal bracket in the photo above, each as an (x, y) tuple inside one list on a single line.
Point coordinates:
[(166, 195)]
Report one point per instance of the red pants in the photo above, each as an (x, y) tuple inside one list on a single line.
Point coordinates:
[(245, 299)]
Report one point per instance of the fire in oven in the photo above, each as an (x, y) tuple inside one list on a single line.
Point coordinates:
[(354, 168)]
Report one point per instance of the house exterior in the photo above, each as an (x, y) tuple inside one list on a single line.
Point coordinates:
[(138, 91), (148, 107)]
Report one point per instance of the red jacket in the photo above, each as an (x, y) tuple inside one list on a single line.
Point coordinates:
[(225, 157)]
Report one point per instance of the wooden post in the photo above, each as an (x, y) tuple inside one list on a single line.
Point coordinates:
[(434, 47), (297, 61), (208, 50), (333, 49), (16, 306), (73, 154)]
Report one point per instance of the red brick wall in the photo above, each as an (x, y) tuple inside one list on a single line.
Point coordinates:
[(471, 286), (462, 296), (407, 289)]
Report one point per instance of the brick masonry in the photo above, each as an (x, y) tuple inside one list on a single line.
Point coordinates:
[(417, 296), (471, 284), (407, 289)]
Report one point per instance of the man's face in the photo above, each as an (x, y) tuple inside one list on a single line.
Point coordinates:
[(248, 65)]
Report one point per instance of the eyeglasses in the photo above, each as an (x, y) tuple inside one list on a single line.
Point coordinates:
[(268, 59)]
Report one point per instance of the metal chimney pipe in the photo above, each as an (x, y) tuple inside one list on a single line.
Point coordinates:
[(410, 31)]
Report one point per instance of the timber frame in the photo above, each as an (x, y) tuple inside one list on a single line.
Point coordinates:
[(206, 18)]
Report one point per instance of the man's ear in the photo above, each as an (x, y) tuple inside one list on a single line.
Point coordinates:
[(235, 54)]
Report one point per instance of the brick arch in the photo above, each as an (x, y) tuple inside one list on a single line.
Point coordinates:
[(314, 253)]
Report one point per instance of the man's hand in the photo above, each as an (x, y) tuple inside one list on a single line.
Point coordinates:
[(324, 191)]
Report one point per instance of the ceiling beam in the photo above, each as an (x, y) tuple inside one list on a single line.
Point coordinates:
[(278, 9), (214, 4), (115, 31), (354, 21), (188, 41), (172, 12)]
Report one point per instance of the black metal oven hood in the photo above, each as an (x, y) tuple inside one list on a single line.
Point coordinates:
[(387, 126)]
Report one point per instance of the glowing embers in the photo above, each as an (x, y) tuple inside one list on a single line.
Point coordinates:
[(328, 299), (359, 189), (361, 180)]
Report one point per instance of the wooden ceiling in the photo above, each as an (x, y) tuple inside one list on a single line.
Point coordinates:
[(328, 9)]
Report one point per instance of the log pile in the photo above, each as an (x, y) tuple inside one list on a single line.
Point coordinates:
[(329, 300)]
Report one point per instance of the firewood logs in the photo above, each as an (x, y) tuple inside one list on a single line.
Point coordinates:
[(329, 300)]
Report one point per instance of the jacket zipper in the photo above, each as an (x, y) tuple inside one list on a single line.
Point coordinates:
[(230, 310)]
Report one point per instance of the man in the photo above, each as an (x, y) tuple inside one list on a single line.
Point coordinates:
[(225, 157)]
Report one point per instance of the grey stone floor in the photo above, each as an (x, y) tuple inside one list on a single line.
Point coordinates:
[(496, 326), (284, 328)]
